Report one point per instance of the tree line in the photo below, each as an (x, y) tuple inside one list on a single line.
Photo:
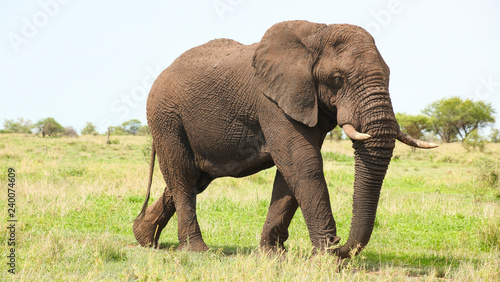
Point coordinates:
[(50, 127), (448, 120)]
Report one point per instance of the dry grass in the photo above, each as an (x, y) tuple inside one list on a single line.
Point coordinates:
[(438, 217)]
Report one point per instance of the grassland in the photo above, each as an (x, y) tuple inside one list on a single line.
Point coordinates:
[(439, 217)]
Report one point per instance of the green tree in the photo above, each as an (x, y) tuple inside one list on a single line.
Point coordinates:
[(117, 130), (89, 129), (413, 125), (132, 126), (19, 126), (495, 135), (475, 116), (143, 130), (336, 134), (49, 126), (454, 118)]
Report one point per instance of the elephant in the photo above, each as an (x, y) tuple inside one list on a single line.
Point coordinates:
[(229, 109)]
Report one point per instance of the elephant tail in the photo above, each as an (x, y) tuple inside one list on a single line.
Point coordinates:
[(151, 170)]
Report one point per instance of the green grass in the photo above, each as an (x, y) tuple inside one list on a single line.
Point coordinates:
[(438, 217)]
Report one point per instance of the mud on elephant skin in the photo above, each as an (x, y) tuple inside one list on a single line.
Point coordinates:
[(228, 109)]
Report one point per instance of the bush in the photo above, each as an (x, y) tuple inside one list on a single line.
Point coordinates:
[(144, 130), (489, 172), (117, 130), (19, 126), (70, 132), (474, 141), (495, 136), (89, 129)]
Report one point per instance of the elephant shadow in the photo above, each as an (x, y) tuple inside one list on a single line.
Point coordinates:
[(226, 250), (373, 261), (416, 266)]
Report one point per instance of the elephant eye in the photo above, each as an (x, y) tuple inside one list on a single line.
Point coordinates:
[(337, 81)]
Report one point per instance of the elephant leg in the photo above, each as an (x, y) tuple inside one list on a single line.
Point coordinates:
[(188, 232), (148, 226), (281, 211), (184, 180), (297, 155), (182, 177)]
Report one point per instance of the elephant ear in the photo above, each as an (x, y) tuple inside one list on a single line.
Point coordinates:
[(284, 63)]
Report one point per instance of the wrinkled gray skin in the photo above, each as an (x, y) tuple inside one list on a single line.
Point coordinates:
[(227, 109)]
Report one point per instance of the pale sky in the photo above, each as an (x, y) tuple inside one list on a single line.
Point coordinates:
[(94, 61)]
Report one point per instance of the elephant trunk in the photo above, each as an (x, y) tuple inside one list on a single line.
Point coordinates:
[(372, 158)]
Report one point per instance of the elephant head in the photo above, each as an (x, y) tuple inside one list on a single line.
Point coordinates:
[(315, 71)]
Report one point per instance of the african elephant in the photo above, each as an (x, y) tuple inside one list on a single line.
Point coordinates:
[(228, 109)]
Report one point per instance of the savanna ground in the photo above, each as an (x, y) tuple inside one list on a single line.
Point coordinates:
[(76, 199)]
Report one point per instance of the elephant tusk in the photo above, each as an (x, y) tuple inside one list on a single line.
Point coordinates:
[(410, 141), (353, 134)]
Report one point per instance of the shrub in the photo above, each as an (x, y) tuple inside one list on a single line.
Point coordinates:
[(19, 126), (89, 129), (474, 141), (495, 136), (70, 132), (489, 172)]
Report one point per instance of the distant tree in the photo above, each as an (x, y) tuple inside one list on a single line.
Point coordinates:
[(336, 134), (19, 126), (143, 130), (443, 117), (117, 130), (475, 116), (413, 125), (132, 126), (69, 132), (495, 136), (454, 118), (89, 129), (49, 126)]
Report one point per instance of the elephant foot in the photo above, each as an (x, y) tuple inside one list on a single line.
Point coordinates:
[(331, 241), (146, 232), (193, 246), (149, 225), (273, 251), (274, 238), (328, 245)]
